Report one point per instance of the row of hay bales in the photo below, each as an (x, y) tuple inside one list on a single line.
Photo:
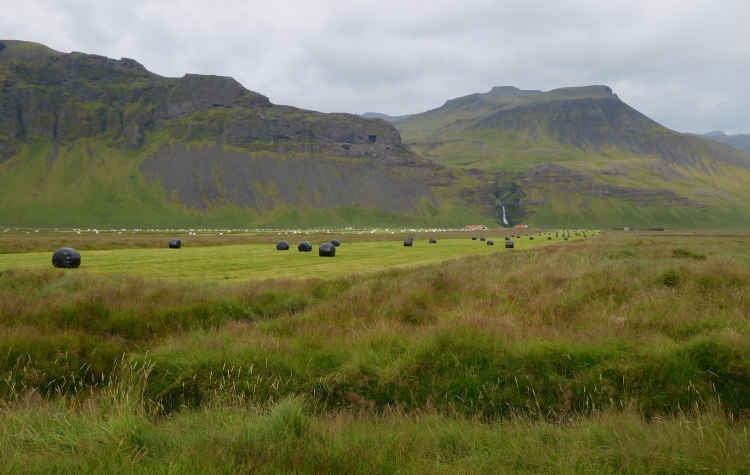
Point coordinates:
[(69, 258), (327, 249)]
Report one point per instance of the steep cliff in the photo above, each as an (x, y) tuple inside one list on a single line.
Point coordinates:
[(193, 148)]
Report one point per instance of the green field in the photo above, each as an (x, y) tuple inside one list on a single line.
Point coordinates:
[(263, 261), (625, 353)]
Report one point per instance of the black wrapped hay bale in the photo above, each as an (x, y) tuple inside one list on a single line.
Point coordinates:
[(549, 238), (408, 242), (507, 238), (531, 238), (481, 238), (304, 246), (327, 250), (565, 239), (66, 258), (473, 238), (282, 246), (335, 242), (508, 244), (490, 242), (433, 241), (175, 244)]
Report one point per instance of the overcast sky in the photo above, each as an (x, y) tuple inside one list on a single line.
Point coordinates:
[(684, 63)]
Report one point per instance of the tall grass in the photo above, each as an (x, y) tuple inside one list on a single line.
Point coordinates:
[(616, 355), (111, 433)]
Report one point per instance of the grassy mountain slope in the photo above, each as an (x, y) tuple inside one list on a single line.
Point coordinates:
[(582, 157), (91, 141)]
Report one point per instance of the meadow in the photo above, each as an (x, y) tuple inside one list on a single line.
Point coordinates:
[(254, 257), (628, 352)]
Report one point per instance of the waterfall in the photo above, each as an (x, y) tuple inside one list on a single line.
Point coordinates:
[(505, 221)]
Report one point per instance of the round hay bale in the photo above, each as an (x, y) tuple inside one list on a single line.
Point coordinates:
[(175, 244), (473, 238), (282, 246), (549, 238), (327, 250), (531, 238), (490, 242), (335, 242), (507, 238), (408, 242), (66, 258), (481, 238), (433, 241), (565, 238), (304, 246), (508, 244)]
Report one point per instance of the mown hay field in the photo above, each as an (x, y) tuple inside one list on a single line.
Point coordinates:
[(625, 353), (241, 262)]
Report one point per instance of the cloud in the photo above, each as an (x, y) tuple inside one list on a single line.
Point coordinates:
[(684, 63)]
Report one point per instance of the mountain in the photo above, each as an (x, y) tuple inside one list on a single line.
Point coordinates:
[(389, 118), (582, 157), (738, 141), (87, 140)]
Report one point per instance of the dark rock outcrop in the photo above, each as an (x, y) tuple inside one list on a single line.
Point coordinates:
[(599, 123), (201, 177), (65, 97), (550, 177)]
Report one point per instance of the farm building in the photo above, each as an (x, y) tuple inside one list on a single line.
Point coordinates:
[(475, 227)]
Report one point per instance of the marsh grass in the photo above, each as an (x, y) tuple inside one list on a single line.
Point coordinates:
[(601, 356)]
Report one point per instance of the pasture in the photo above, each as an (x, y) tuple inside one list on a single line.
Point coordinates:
[(241, 262), (625, 353)]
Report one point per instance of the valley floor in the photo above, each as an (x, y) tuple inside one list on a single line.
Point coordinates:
[(239, 261), (625, 353)]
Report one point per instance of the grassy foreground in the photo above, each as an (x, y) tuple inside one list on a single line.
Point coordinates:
[(628, 353)]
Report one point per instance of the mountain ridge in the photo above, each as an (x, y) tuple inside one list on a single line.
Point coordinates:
[(591, 133), (87, 140), (201, 148)]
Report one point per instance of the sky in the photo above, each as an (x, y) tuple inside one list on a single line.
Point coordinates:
[(684, 63)]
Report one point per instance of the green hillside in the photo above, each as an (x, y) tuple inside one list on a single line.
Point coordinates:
[(90, 183), (582, 157), (87, 140), (91, 141)]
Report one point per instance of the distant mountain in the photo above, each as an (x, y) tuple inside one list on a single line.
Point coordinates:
[(87, 140), (389, 118), (738, 141), (582, 157)]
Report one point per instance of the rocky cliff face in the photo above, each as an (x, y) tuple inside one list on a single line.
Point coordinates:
[(549, 178), (65, 97), (201, 177), (597, 124), (205, 141)]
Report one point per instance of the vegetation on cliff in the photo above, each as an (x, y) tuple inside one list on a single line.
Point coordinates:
[(626, 170), (88, 140)]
